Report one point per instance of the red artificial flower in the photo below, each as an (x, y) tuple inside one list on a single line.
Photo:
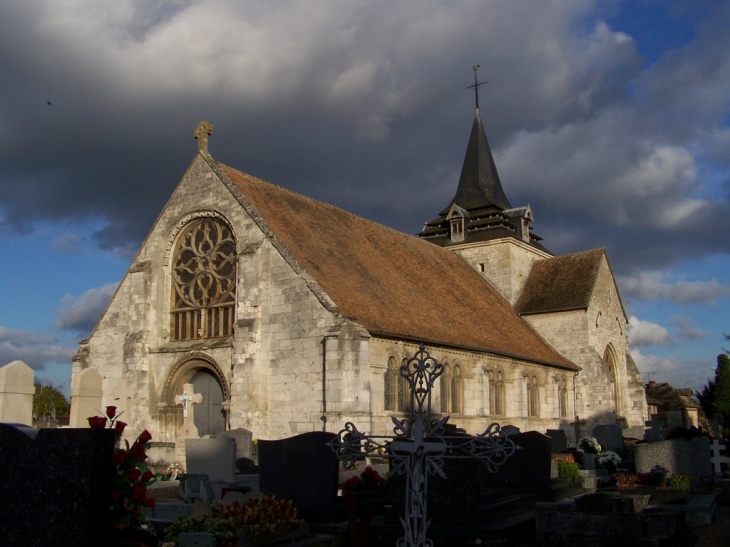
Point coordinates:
[(149, 502), (111, 411), (144, 437), (138, 452), (97, 422), (139, 492), (113, 496), (147, 476), (119, 427), (120, 456), (134, 474)]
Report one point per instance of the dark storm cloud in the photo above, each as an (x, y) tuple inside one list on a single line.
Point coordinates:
[(363, 105)]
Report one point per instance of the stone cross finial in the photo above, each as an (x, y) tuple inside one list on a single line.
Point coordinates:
[(202, 132)]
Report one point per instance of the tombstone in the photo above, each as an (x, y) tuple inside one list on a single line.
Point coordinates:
[(305, 470), (244, 441), (188, 430), (216, 458), (610, 436), (85, 397), (577, 429), (528, 468), (654, 433), (55, 487), (510, 430), (677, 456), (559, 440), (16, 393), (717, 459)]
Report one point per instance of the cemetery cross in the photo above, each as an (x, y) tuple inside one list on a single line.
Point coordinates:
[(419, 446), (717, 459)]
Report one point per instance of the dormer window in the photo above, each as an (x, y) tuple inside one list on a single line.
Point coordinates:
[(456, 221)]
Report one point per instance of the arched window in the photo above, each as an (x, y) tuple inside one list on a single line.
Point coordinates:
[(404, 394), (563, 397), (496, 393), (446, 389), (203, 281), (532, 396), (391, 381), (457, 395)]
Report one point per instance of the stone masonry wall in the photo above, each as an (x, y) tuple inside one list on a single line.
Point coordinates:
[(505, 263)]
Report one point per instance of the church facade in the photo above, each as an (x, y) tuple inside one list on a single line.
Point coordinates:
[(291, 315)]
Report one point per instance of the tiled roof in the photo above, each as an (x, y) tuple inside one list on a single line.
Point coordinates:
[(670, 398), (560, 283), (391, 283)]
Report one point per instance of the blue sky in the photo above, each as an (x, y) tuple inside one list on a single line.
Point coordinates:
[(611, 119)]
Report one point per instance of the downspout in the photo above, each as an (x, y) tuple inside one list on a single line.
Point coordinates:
[(324, 384), (575, 402)]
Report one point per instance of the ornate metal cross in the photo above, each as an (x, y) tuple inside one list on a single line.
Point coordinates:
[(476, 85), (419, 446)]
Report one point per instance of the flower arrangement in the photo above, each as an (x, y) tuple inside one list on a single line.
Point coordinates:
[(589, 445), (369, 479), (173, 471), (568, 469), (259, 519), (609, 458), (131, 474)]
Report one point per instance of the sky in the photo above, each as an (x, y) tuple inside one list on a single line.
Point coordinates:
[(611, 119)]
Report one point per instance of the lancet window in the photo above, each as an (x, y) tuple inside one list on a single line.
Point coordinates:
[(396, 391), (496, 393), (203, 281), (532, 396)]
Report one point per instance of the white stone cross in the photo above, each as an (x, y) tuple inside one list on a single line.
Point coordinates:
[(717, 459), (190, 396)]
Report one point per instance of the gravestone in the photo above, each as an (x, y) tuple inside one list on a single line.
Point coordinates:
[(559, 440), (188, 430), (55, 488), (244, 441), (677, 456), (717, 447), (305, 470), (610, 436), (528, 468), (510, 430), (216, 458), (654, 432), (16, 393), (85, 397)]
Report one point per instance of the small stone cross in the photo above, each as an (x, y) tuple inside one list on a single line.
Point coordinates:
[(717, 459), (188, 396), (202, 132), (577, 425)]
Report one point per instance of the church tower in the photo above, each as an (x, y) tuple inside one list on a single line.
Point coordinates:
[(480, 224)]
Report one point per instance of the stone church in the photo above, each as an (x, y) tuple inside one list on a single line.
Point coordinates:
[(288, 315)]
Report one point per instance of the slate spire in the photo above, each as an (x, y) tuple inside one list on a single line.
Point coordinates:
[(479, 184)]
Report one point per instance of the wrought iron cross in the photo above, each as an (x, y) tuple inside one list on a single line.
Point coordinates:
[(419, 446), (476, 85)]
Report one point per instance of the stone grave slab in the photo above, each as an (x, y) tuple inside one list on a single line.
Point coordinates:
[(654, 432), (559, 440), (305, 470), (677, 456), (244, 441), (610, 436), (56, 486), (510, 430), (216, 458)]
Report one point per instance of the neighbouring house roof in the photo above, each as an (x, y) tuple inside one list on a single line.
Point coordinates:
[(670, 398), (561, 283), (391, 283)]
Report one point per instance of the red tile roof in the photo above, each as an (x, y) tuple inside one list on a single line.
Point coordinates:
[(391, 283)]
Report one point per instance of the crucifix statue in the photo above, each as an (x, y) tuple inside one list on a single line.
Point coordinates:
[(419, 446), (187, 400)]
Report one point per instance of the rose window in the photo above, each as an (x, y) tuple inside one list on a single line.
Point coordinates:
[(204, 281)]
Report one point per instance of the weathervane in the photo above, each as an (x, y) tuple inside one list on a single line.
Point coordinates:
[(476, 84), (420, 445)]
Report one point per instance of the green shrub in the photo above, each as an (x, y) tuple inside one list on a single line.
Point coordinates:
[(680, 481), (569, 471)]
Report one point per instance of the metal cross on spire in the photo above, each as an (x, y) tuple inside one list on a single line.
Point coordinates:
[(419, 446), (476, 85)]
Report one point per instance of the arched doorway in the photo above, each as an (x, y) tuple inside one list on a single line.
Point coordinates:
[(209, 415)]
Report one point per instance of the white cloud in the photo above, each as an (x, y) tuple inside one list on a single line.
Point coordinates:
[(35, 349), (645, 333), (687, 331), (653, 285), (82, 313), (673, 371)]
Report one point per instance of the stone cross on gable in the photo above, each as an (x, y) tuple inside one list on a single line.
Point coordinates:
[(202, 132), (420, 446)]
